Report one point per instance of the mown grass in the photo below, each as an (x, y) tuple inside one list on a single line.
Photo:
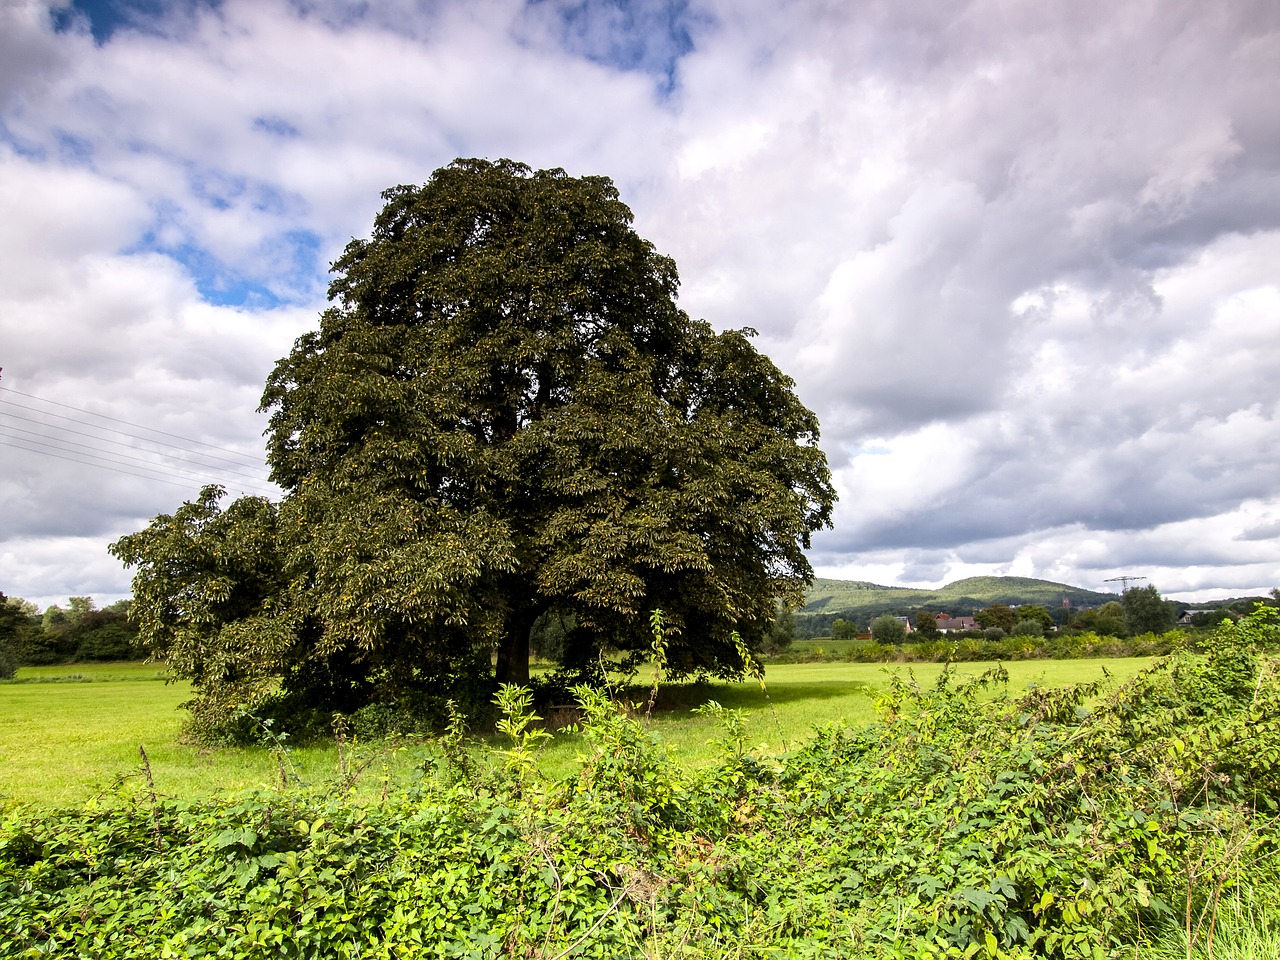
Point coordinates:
[(71, 733)]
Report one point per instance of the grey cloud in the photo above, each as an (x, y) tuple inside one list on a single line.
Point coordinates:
[(924, 567), (1035, 180), (1027, 251), (1140, 555), (1269, 531), (56, 503), (1052, 486), (29, 54), (51, 569)]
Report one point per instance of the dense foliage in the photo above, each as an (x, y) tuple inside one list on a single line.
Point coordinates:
[(503, 419), (975, 648), (887, 630), (9, 620), (80, 633), (966, 823), (1145, 611)]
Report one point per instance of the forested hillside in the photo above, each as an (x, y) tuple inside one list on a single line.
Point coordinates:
[(861, 602)]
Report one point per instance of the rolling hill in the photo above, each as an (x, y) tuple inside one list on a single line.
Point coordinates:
[(861, 602)]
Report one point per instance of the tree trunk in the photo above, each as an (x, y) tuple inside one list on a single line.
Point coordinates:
[(513, 653)]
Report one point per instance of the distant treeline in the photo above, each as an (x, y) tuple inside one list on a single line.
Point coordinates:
[(76, 633)]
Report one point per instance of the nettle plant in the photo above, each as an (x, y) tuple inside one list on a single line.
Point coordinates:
[(969, 821)]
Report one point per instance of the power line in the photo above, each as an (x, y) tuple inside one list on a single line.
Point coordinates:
[(127, 423), (155, 472), (101, 466), (100, 457), (117, 443), (157, 462), (1124, 582)]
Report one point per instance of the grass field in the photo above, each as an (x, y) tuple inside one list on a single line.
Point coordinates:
[(68, 734), (843, 838)]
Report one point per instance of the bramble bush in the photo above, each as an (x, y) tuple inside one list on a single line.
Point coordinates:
[(1077, 822)]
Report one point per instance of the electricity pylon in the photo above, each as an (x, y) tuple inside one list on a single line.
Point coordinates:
[(1124, 582)]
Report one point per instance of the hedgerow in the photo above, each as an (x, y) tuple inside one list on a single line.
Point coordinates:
[(1076, 822), (971, 649)]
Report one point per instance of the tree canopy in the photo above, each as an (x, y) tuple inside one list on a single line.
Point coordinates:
[(503, 416), (9, 618), (888, 629), (1145, 611), (996, 615), (1108, 620), (1034, 613), (927, 625)]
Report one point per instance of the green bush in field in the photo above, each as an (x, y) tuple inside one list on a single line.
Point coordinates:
[(844, 630), (868, 651), (888, 629), (1080, 822), (1035, 613)]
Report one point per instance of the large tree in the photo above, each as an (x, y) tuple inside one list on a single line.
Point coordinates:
[(889, 629), (10, 617), (504, 415), (1035, 613), (996, 615), (927, 625), (1145, 611)]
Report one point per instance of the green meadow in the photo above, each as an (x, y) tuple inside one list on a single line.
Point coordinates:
[(72, 733)]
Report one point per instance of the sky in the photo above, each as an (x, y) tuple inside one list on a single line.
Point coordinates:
[(1021, 257)]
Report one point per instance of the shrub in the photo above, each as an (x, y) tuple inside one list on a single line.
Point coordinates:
[(1027, 628), (868, 651), (888, 629), (933, 651)]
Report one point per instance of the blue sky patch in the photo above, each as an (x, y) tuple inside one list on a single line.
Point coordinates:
[(21, 146), (105, 17), (304, 250), (292, 270), (276, 126), (217, 284), (649, 36)]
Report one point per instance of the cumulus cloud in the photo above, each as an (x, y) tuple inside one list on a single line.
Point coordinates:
[(1018, 257)]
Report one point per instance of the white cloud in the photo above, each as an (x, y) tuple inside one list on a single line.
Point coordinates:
[(1019, 257)]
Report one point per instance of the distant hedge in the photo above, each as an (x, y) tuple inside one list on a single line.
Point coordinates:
[(975, 647)]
